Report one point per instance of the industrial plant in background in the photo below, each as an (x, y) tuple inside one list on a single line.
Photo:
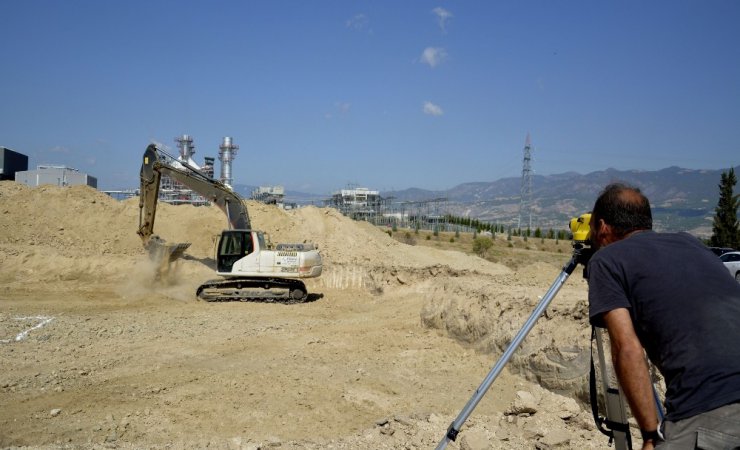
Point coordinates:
[(358, 203), (361, 203), (271, 195), (14, 166), (55, 175), (176, 193)]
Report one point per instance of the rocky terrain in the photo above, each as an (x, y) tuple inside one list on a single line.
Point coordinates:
[(95, 354)]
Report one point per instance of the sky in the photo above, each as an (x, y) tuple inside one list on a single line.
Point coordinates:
[(383, 94)]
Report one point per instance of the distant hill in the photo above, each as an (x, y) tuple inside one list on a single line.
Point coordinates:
[(682, 199)]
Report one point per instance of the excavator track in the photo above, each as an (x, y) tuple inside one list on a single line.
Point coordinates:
[(277, 290)]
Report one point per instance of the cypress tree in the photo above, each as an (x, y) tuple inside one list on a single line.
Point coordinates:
[(725, 229)]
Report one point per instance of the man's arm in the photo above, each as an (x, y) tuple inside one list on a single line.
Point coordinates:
[(631, 367)]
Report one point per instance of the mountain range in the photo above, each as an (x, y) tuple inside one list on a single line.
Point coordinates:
[(681, 199)]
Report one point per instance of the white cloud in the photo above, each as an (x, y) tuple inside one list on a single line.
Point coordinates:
[(433, 56), (432, 109), (442, 17), (358, 22), (59, 149), (340, 108), (343, 107)]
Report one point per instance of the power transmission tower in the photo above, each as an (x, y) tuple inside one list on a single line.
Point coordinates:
[(525, 203)]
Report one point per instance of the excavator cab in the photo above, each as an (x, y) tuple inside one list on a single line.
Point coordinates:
[(233, 246)]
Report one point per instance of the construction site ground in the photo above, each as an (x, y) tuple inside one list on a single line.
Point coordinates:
[(390, 346)]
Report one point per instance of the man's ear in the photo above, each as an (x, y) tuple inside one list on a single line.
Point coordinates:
[(605, 231), (601, 226)]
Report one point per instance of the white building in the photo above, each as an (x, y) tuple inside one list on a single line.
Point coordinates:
[(56, 175)]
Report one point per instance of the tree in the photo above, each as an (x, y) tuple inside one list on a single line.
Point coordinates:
[(725, 229), (481, 245)]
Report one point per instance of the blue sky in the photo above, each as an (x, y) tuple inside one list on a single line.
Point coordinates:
[(384, 94)]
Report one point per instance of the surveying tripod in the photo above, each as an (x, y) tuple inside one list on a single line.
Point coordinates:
[(616, 418)]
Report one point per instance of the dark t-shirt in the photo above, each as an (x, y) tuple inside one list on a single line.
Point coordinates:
[(685, 308)]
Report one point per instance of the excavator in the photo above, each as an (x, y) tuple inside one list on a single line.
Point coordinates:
[(250, 269)]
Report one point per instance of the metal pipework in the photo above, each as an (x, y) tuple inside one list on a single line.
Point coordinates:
[(187, 149), (226, 154)]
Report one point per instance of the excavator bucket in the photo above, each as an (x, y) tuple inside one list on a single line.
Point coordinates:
[(164, 254)]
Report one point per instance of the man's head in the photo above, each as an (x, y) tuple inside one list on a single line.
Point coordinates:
[(619, 211)]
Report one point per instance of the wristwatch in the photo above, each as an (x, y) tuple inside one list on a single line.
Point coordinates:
[(650, 436)]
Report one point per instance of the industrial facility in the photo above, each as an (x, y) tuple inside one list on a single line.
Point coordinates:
[(56, 175), (14, 166), (271, 195), (361, 203), (174, 192)]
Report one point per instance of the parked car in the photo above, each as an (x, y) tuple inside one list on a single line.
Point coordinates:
[(719, 251), (732, 262)]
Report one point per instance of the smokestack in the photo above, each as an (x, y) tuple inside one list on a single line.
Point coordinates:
[(187, 149), (208, 166), (227, 152)]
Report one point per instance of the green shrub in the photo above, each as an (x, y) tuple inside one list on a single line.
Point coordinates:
[(481, 245)]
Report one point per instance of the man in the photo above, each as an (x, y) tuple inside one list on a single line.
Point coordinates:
[(666, 293)]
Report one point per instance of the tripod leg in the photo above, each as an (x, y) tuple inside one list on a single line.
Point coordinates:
[(616, 413), (454, 428)]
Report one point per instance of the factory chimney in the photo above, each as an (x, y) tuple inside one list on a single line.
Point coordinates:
[(187, 149), (227, 152)]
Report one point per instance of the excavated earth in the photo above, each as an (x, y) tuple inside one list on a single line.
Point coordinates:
[(392, 344)]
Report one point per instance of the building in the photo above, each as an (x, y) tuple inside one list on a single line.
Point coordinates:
[(358, 203), (56, 175), (272, 195), (11, 162)]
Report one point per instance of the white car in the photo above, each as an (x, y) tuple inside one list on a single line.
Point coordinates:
[(732, 262)]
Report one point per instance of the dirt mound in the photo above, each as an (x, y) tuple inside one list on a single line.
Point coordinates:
[(81, 221), (486, 313), (74, 221)]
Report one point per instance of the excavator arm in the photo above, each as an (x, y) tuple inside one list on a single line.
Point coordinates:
[(157, 163)]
